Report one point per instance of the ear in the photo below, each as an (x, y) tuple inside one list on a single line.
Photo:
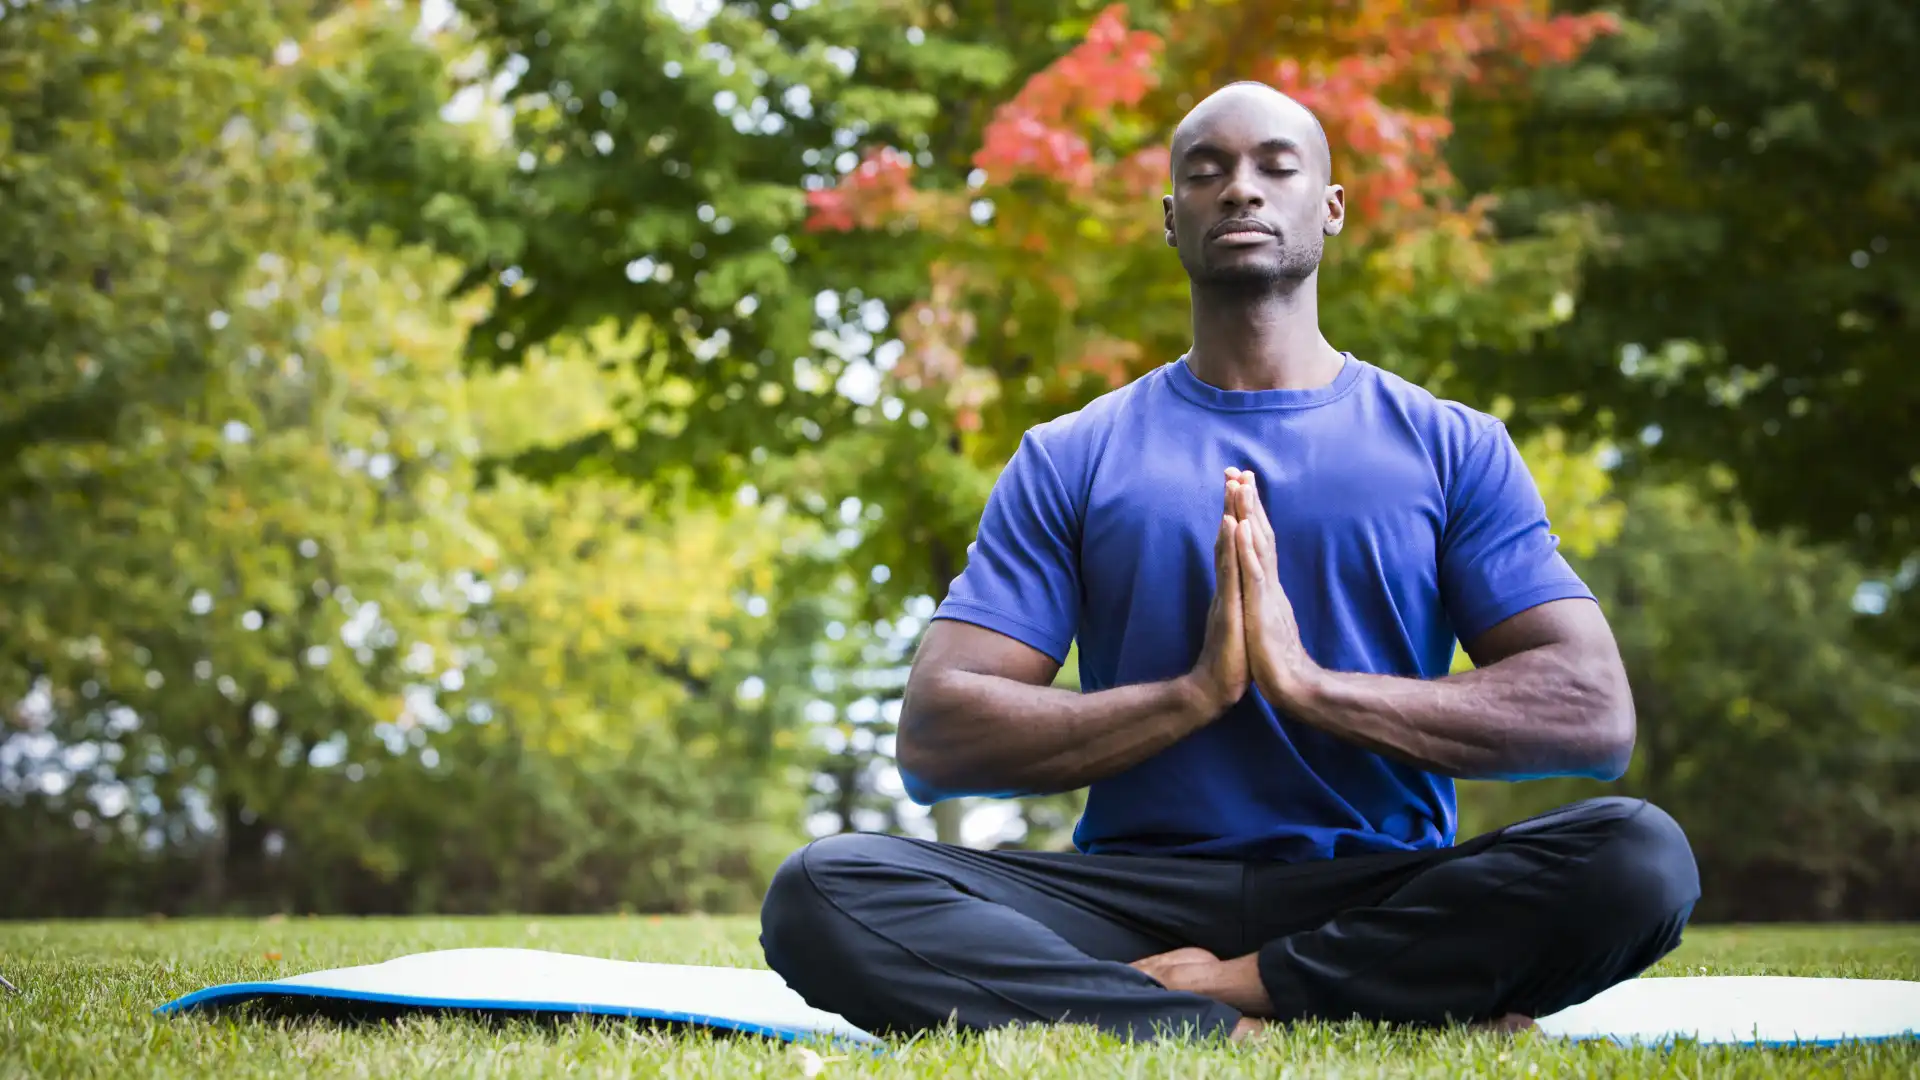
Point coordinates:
[(1336, 210), (1166, 205)]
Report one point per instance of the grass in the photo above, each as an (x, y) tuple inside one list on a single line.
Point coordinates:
[(90, 988)]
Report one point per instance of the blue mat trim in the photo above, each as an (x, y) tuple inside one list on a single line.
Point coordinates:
[(236, 993)]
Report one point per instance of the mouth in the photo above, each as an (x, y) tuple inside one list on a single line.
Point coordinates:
[(1240, 232)]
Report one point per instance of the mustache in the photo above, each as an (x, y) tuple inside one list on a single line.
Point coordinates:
[(1241, 225)]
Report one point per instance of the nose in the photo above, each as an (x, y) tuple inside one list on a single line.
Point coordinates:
[(1240, 192)]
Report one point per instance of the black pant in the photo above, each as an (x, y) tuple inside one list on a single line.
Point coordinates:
[(900, 935)]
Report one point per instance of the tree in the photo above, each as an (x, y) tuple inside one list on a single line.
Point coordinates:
[(284, 634), (131, 145), (1752, 308), (265, 640)]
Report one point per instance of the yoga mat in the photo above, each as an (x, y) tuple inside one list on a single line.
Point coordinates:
[(530, 980), (1761, 1010)]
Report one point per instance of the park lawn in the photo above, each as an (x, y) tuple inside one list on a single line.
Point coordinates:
[(90, 988)]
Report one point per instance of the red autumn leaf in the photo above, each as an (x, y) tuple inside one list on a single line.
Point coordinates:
[(1036, 133), (877, 189)]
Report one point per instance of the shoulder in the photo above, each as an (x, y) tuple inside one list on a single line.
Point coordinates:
[(1442, 418), (1074, 442), (1452, 433)]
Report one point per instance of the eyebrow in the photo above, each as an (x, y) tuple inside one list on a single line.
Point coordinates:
[(1270, 146)]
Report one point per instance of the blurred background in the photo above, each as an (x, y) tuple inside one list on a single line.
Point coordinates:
[(471, 457)]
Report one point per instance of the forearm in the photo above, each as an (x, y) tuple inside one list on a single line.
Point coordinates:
[(963, 733), (1543, 712)]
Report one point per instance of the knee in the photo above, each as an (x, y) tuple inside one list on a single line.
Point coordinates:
[(800, 900), (1645, 864)]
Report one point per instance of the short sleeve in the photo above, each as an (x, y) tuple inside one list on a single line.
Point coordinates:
[(1022, 576), (1498, 555)]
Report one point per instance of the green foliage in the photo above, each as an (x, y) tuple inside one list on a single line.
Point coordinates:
[(1784, 744), (266, 640), (133, 149), (302, 648), (1753, 304)]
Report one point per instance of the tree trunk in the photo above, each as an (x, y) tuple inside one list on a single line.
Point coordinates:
[(846, 798), (947, 819)]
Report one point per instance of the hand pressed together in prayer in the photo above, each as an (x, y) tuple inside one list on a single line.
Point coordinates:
[(1276, 657), (1253, 638)]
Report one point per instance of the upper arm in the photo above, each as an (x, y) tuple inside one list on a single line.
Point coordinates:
[(950, 646), (1498, 555), (1578, 626)]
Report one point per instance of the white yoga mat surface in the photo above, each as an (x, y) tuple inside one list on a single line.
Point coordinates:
[(529, 980), (1766, 1010), (1761, 1009)]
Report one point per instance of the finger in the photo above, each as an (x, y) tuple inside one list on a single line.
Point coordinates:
[(1255, 508), (1233, 498), (1250, 568), (1257, 513), (1222, 541)]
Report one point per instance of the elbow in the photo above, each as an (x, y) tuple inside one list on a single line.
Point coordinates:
[(920, 791), (920, 765), (1611, 762), (1593, 732)]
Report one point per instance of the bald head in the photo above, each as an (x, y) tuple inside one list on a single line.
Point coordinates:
[(1253, 197), (1248, 99)]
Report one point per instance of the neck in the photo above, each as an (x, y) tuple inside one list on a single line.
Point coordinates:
[(1264, 339)]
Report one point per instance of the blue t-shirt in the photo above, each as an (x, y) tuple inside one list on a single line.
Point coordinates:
[(1402, 522)]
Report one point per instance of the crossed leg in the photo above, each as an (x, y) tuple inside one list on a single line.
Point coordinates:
[(901, 935)]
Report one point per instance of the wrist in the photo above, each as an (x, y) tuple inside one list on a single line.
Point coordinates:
[(1200, 699), (1300, 689)]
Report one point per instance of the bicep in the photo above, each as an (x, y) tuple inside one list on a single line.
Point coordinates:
[(951, 684), (1576, 625), (950, 646)]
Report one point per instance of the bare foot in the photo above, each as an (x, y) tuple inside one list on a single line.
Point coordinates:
[(1181, 969), (1510, 1024), (1197, 971), (1248, 1028)]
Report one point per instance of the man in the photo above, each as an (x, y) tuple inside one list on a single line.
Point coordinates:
[(1266, 550)]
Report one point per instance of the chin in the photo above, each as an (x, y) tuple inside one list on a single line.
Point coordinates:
[(1258, 270), (1247, 275)]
